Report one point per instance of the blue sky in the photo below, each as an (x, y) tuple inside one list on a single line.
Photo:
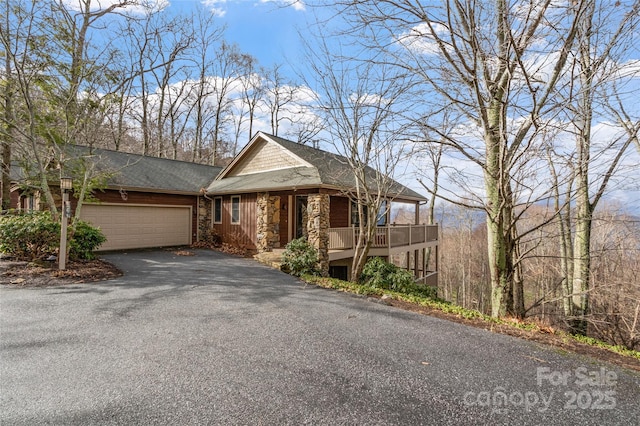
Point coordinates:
[(267, 30)]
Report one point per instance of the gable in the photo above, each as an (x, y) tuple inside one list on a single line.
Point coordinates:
[(265, 156), (269, 162)]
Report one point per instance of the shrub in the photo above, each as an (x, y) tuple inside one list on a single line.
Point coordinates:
[(29, 236), (377, 273), (85, 240), (34, 235), (300, 258)]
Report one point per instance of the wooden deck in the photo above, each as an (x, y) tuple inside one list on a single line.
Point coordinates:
[(388, 240)]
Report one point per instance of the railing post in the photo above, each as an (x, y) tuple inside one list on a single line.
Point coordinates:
[(353, 237)]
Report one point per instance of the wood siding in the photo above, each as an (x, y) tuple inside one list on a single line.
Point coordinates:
[(245, 232), (339, 212), (263, 157)]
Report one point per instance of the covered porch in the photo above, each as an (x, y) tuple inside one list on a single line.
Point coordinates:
[(388, 240), (326, 220)]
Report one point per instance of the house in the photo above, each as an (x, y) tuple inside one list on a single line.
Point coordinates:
[(146, 202), (276, 190), (272, 192)]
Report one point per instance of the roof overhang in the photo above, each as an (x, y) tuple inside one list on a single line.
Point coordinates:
[(150, 190)]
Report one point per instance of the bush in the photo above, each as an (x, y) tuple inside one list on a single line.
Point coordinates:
[(300, 258), (34, 235), (85, 240), (377, 273), (29, 236)]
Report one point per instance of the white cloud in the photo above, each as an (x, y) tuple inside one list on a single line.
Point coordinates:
[(419, 39), (295, 4), (216, 7)]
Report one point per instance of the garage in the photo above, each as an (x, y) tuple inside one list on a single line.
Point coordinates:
[(139, 226)]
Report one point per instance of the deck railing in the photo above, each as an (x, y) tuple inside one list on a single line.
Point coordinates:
[(392, 236)]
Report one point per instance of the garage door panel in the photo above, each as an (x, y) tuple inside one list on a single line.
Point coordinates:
[(128, 227)]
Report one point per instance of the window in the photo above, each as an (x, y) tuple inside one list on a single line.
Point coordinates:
[(381, 219), (217, 210), (355, 218), (340, 272), (31, 203), (382, 214), (235, 209)]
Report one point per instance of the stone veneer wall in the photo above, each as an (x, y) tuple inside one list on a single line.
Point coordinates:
[(318, 228), (268, 212), (205, 207)]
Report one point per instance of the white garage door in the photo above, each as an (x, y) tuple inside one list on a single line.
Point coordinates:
[(128, 227)]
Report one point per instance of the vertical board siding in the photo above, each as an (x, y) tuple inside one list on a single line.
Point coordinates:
[(339, 212), (245, 232)]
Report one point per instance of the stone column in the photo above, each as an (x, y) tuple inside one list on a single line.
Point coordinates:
[(318, 228), (268, 226), (204, 217)]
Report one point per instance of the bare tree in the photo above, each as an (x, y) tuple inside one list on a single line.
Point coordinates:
[(497, 65), (159, 45), (594, 93), (360, 105), (173, 39), (279, 93), (245, 106), (228, 68), (207, 36)]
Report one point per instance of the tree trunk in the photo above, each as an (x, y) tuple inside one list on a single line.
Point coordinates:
[(581, 263), (518, 279), (499, 212), (363, 244), (7, 135), (566, 258), (6, 174), (584, 207)]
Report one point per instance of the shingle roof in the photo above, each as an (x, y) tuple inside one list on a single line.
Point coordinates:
[(133, 171), (330, 170), (138, 172)]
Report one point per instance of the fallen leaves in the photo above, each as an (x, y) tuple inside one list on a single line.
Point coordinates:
[(26, 274)]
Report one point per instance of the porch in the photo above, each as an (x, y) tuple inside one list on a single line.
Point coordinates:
[(388, 240)]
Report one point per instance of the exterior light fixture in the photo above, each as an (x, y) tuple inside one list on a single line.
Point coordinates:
[(66, 184)]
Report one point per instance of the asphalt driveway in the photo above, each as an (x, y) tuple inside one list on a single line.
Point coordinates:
[(215, 339)]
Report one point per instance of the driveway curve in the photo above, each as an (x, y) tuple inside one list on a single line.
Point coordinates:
[(216, 339)]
